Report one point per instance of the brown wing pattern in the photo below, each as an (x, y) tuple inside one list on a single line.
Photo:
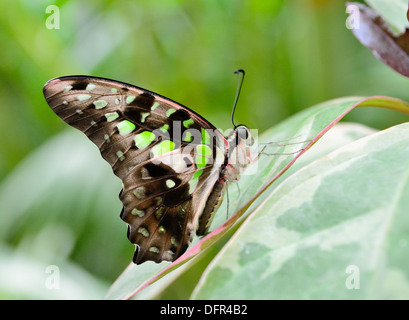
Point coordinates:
[(167, 157)]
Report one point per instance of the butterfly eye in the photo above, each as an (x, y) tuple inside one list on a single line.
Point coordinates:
[(242, 132)]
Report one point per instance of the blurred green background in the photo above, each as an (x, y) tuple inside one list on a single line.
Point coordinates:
[(58, 198)]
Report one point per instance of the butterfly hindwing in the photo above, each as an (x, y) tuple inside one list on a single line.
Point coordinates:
[(168, 158)]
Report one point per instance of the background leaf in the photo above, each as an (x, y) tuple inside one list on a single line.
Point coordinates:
[(338, 136), (347, 209), (393, 12)]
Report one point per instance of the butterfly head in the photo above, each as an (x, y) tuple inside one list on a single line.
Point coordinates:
[(240, 152)]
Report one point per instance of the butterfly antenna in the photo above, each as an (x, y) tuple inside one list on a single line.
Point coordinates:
[(239, 84)]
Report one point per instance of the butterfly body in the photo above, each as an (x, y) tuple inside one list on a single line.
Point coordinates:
[(173, 164)]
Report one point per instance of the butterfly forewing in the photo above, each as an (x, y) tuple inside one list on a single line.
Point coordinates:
[(168, 157)]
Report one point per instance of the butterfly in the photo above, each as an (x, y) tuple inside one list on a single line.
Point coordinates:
[(173, 163)]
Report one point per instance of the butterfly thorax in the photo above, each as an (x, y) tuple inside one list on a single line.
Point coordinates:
[(239, 153), (238, 156)]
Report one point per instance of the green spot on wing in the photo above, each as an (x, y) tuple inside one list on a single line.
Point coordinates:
[(164, 128), (164, 146), (154, 249), (194, 181), (139, 192), (203, 153), (203, 150), (120, 155), (170, 183), (159, 212), (187, 136), (144, 115), (170, 111), (174, 241), (129, 99), (197, 174), (192, 185), (138, 213), (205, 137), (155, 105), (201, 161), (111, 116), (99, 104), (144, 139), (188, 123), (143, 231), (125, 127)]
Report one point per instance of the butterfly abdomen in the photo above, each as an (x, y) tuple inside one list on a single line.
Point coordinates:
[(213, 203)]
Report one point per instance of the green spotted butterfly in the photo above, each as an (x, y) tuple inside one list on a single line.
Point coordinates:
[(173, 163)]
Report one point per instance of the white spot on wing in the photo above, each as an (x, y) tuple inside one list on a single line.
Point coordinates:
[(83, 97), (90, 87), (129, 99), (67, 88)]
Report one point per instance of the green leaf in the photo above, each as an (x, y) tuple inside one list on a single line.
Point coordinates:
[(393, 11), (343, 214), (23, 276), (307, 126), (64, 189)]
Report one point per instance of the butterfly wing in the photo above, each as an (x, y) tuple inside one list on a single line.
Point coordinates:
[(168, 157)]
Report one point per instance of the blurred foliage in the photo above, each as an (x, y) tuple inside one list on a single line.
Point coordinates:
[(296, 54)]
